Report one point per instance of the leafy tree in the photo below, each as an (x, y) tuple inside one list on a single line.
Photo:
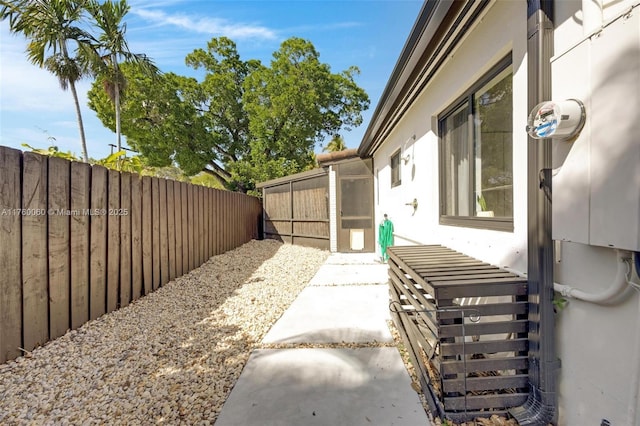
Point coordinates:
[(205, 179), (295, 104), (219, 106), (111, 49), (244, 122), (335, 144), (52, 28), (155, 119)]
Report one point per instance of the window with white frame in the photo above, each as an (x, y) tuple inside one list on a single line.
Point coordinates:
[(476, 154), (395, 169)]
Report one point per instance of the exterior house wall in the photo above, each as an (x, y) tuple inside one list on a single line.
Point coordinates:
[(497, 34), (598, 378), (595, 343)]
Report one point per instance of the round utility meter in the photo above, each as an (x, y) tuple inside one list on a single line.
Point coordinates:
[(558, 120)]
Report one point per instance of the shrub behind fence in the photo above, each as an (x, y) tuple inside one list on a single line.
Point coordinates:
[(78, 241)]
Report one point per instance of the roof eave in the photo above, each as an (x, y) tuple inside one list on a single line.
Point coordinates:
[(431, 17)]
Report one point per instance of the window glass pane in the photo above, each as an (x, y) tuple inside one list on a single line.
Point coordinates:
[(356, 197), (476, 148), (395, 169), (493, 134), (456, 145)]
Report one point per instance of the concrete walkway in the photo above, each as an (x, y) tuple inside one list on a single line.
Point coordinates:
[(338, 365)]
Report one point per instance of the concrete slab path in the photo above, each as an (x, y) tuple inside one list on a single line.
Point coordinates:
[(323, 314), (339, 365)]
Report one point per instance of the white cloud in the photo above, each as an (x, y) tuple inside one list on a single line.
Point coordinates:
[(212, 26), (24, 86)]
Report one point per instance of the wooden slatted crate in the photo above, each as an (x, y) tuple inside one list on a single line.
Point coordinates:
[(464, 323)]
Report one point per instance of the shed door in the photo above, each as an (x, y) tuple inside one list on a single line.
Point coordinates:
[(355, 207)]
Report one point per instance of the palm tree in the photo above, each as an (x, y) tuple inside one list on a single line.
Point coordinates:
[(50, 26), (336, 144), (111, 48)]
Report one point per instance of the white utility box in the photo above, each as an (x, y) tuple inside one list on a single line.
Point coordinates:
[(596, 191)]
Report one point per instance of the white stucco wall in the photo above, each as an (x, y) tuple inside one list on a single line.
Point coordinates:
[(500, 31), (333, 214), (596, 344)]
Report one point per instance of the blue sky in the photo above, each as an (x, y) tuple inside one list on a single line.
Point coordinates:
[(365, 33)]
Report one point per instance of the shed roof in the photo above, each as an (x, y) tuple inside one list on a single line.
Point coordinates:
[(292, 178), (333, 157)]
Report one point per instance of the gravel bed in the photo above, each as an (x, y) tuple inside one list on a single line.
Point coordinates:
[(171, 357)]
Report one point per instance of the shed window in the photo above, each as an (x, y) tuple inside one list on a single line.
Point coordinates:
[(395, 169), (476, 154)]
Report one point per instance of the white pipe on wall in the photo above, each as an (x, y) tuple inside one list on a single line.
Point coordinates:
[(621, 283), (617, 287), (634, 394)]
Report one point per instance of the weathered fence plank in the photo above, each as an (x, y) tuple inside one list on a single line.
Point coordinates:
[(10, 256), (98, 241), (147, 238), (210, 220), (136, 237), (58, 233), (201, 230), (196, 226), (215, 212), (227, 218), (221, 219), (164, 244), (177, 194), (125, 238), (190, 215), (207, 222), (80, 178), (171, 230), (35, 292), (237, 232), (184, 190), (113, 241), (155, 232)]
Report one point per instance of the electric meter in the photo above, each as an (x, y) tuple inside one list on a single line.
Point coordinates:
[(558, 120)]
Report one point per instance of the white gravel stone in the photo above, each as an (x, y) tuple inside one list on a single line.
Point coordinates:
[(170, 357)]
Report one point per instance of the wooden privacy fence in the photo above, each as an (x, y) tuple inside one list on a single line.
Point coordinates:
[(78, 241)]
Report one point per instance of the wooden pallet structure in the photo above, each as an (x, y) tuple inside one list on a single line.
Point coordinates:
[(464, 324)]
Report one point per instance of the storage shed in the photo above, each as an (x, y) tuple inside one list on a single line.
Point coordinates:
[(330, 207)]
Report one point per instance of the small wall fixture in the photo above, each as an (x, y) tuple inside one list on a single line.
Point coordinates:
[(413, 204), (407, 157), (559, 120)]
